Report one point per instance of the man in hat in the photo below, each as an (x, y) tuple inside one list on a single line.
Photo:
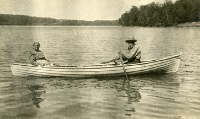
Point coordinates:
[(37, 57), (132, 54)]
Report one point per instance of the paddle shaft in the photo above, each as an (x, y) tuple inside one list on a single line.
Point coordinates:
[(122, 62)]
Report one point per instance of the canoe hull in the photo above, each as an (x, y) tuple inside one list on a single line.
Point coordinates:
[(165, 65)]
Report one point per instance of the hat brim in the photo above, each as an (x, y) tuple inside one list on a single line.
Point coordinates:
[(131, 41)]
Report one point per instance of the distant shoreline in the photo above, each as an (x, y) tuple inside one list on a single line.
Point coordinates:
[(186, 25), (190, 24), (23, 20), (63, 25)]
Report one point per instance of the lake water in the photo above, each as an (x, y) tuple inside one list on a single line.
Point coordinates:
[(166, 96)]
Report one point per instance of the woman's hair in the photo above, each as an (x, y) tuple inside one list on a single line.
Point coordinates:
[(36, 43)]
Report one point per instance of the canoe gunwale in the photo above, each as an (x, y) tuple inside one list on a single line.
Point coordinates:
[(100, 65), (93, 69), (167, 64)]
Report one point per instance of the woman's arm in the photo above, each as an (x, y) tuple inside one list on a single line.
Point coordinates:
[(32, 58)]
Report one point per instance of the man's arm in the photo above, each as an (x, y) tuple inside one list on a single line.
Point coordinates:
[(133, 54)]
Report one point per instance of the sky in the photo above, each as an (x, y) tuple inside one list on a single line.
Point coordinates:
[(71, 9)]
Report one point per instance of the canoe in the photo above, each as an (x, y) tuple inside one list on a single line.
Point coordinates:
[(165, 65)]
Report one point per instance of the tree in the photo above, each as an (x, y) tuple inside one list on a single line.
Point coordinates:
[(166, 14)]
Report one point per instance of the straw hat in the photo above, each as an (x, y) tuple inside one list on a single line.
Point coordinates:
[(131, 40)]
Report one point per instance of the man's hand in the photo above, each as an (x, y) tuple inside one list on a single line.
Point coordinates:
[(115, 62)]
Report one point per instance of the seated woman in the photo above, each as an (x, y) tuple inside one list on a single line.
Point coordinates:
[(37, 57)]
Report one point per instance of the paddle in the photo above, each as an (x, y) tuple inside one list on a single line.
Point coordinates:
[(122, 62)]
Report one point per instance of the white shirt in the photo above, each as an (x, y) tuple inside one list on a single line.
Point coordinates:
[(131, 53)]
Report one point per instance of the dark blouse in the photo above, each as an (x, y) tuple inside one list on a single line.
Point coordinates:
[(36, 55)]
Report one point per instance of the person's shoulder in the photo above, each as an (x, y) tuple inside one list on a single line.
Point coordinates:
[(39, 51), (32, 51), (137, 46)]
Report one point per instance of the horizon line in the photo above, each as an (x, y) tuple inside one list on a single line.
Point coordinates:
[(58, 18)]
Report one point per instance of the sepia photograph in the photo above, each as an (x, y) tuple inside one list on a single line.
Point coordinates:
[(99, 59)]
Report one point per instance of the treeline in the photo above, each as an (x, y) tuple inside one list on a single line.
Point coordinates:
[(166, 14), (90, 23), (8, 19)]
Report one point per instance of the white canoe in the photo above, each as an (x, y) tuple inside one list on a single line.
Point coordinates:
[(164, 65)]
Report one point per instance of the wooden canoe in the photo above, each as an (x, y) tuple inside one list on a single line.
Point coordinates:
[(164, 65)]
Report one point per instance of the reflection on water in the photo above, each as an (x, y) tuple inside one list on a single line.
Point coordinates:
[(36, 92), (166, 96), (131, 93)]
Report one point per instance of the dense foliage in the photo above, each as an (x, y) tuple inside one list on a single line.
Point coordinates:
[(166, 14), (7, 19)]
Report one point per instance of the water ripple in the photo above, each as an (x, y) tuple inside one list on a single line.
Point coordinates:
[(169, 96)]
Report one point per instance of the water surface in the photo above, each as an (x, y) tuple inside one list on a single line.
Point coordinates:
[(166, 96)]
